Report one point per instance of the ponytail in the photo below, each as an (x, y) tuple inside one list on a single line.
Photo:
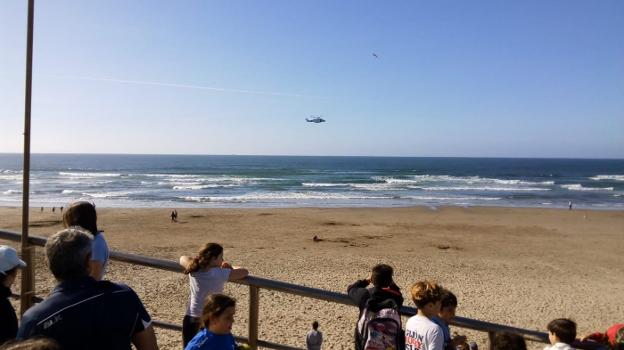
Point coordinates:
[(209, 252)]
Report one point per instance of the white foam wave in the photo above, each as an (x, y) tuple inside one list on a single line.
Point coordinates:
[(608, 177), (82, 175), (453, 198), (579, 187), (107, 194), (68, 191), (204, 178), (475, 188), (200, 187), (275, 196), (11, 177), (319, 184), (419, 179), (10, 192)]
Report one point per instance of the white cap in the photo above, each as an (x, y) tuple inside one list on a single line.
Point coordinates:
[(9, 259)]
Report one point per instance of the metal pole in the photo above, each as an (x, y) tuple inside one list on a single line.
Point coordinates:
[(254, 311), (27, 273)]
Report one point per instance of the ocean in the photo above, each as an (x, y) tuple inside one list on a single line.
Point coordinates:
[(176, 181)]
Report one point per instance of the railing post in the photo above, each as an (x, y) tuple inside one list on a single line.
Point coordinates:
[(491, 337), (254, 311), (28, 280)]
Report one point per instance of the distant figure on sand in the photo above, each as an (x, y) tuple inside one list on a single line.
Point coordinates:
[(53, 209), (173, 216), (42, 209), (61, 210), (570, 205), (314, 338), (207, 274)]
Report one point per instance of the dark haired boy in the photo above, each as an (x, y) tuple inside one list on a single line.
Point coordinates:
[(507, 341), (445, 315), (314, 338), (384, 294), (561, 333)]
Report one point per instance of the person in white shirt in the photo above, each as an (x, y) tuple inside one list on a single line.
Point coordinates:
[(561, 333), (420, 332), (207, 275)]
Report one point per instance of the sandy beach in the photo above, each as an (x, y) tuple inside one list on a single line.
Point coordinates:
[(521, 267)]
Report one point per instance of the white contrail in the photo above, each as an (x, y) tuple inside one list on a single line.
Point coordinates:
[(174, 85)]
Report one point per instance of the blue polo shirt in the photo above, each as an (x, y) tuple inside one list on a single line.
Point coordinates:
[(206, 340), (87, 314), (445, 330)]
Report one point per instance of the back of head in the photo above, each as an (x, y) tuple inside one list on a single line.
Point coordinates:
[(448, 299), (81, 214), (68, 253), (564, 329), (315, 325), (381, 275), (507, 341), (214, 306), (425, 292), (208, 252)]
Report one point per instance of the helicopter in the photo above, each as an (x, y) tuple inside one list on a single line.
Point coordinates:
[(315, 119)]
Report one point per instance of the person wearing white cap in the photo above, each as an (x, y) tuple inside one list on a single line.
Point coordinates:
[(9, 263)]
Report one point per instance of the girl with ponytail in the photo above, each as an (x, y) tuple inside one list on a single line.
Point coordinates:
[(207, 275)]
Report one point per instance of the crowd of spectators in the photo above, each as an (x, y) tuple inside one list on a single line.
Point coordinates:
[(85, 311)]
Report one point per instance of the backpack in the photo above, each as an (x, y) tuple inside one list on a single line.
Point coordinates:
[(380, 330)]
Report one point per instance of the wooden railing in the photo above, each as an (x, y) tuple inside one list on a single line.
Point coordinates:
[(257, 283)]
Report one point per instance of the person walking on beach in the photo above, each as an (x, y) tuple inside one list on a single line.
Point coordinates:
[(570, 205), (80, 312), (314, 338), (9, 264), (207, 275), (83, 214), (173, 216)]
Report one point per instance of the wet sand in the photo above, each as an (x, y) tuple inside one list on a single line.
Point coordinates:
[(521, 267)]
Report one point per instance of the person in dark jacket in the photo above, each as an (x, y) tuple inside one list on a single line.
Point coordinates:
[(383, 294), (9, 264)]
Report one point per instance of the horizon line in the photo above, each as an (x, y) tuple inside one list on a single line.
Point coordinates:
[(303, 155)]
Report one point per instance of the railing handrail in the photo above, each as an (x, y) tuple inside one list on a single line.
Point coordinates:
[(310, 292)]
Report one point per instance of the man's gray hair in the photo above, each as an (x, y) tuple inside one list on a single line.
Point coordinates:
[(67, 252)]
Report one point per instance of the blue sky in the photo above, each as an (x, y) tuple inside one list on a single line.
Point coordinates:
[(453, 78)]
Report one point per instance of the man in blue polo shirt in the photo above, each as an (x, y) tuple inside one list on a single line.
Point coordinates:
[(82, 313)]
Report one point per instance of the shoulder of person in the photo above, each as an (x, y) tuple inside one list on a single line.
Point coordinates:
[(115, 288)]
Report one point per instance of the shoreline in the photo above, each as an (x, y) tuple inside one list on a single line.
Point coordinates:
[(432, 207), (520, 267)]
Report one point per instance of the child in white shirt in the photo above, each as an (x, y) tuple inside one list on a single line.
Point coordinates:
[(420, 332)]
